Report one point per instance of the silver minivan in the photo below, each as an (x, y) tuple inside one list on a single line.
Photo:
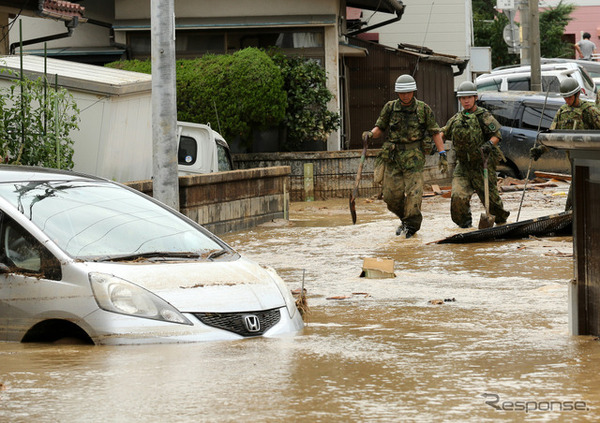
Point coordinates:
[(518, 78), (86, 258)]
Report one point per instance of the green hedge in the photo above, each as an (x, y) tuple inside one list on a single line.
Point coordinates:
[(252, 90)]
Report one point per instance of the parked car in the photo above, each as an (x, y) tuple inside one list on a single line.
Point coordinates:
[(83, 257), (591, 67), (518, 78), (520, 114)]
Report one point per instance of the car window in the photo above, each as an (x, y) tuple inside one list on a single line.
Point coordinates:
[(588, 84), (489, 85), (21, 252), (96, 220), (532, 114), (188, 151), (224, 158), (550, 83), (519, 84), (503, 111)]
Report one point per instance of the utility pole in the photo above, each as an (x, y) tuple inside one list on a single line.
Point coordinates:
[(525, 33), (164, 106), (530, 45), (534, 45)]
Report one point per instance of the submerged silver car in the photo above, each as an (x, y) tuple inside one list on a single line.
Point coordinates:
[(82, 257)]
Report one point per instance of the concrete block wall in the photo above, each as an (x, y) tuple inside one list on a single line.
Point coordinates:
[(334, 172), (230, 201)]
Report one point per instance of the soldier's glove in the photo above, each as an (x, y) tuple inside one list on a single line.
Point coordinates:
[(487, 148), (443, 163), (366, 136), (536, 152)]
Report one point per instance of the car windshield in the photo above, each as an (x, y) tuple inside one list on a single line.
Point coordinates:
[(97, 220)]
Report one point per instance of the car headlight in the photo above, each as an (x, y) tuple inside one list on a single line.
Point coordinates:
[(285, 291), (120, 296)]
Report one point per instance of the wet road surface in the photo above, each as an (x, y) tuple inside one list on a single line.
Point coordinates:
[(384, 354)]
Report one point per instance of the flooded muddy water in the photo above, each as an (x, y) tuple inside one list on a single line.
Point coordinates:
[(379, 352)]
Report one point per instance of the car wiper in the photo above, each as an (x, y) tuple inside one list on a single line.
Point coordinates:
[(216, 253), (153, 254)]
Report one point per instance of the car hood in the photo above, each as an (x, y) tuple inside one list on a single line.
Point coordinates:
[(224, 286)]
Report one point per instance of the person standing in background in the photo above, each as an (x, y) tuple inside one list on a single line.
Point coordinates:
[(585, 48)]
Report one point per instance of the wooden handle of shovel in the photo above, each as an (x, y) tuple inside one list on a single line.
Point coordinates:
[(354, 193)]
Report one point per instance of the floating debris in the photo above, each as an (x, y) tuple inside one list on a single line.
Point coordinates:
[(302, 305), (378, 268), (440, 302), (558, 254), (300, 296)]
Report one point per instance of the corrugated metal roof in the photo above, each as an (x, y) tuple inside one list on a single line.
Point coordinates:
[(80, 76)]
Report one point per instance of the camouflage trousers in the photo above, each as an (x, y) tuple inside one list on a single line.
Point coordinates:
[(403, 194), (467, 181)]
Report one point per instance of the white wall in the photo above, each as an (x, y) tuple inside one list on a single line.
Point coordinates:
[(445, 28)]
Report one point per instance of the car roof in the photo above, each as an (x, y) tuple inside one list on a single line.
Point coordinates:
[(527, 68), (523, 96), (9, 173), (587, 64)]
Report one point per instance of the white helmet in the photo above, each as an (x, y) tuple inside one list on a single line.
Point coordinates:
[(405, 84), (466, 89)]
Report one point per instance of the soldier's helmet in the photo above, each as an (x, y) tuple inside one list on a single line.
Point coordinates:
[(405, 84), (466, 89), (569, 87)]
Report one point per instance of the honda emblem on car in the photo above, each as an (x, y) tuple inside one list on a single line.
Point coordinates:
[(252, 323)]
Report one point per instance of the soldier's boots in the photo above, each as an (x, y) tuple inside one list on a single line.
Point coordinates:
[(403, 229), (400, 230)]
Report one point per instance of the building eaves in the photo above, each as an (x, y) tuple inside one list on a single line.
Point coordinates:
[(53, 9), (386, 6)]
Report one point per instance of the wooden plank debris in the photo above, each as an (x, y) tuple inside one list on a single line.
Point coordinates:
[(551, 175)]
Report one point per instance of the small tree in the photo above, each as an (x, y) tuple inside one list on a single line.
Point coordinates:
[(307, 117), (35, 124), (553, 22)]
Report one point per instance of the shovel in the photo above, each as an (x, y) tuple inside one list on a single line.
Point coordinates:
[(354, 192), (486, 220)]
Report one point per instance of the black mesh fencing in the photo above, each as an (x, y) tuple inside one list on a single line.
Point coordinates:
[(553, 225)]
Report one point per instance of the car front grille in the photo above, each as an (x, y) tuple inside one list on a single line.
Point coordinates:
[(243, 324)]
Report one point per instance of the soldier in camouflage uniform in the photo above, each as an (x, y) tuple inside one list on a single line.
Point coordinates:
[(410, 123), (574, 114), (475, 134)]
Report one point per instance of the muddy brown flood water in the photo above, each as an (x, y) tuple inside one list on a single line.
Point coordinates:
[(500, 351)]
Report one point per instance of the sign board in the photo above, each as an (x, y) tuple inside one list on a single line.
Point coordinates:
[(505, 4), (481, 59)]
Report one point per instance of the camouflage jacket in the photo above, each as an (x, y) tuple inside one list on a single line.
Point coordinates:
[(469, 131), (582, 116), (410, 130)]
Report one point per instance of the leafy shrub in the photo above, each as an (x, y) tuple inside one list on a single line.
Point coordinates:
[(307, 117), (35, 124), (242, 92)]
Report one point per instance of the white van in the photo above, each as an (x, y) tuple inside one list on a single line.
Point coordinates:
[(518, 78)]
